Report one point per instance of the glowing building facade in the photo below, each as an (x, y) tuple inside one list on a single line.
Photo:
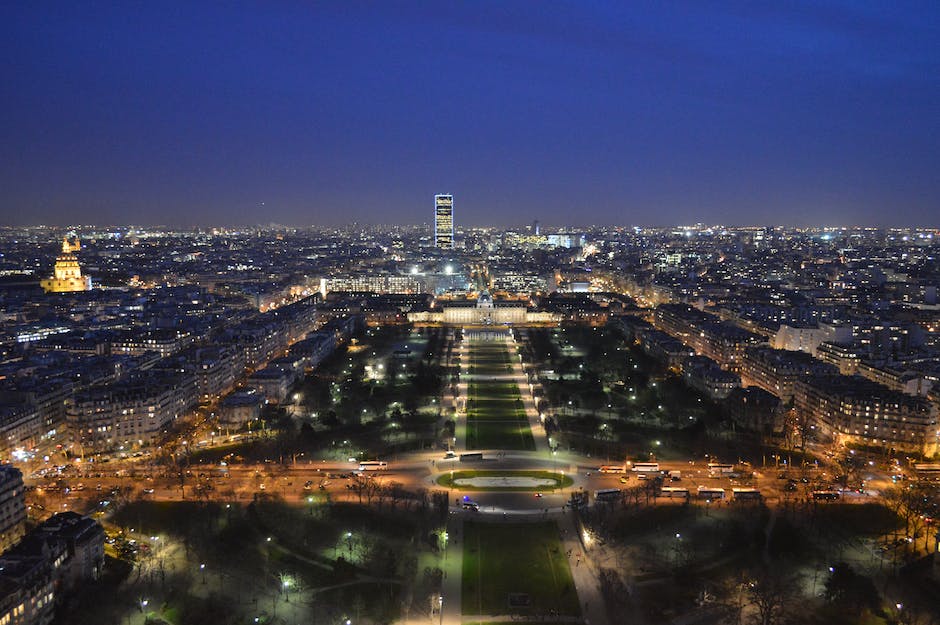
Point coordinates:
[(444, 222), (67, 276)]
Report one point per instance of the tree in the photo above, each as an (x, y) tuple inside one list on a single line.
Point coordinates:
[(850, 591), (850, 471), (770, 592)]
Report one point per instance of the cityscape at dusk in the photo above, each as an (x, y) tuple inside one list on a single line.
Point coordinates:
[(351, 313)]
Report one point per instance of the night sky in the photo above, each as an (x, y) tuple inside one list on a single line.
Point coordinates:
[(300, 113)]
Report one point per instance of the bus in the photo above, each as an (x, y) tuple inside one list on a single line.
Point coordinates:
[(826, 495), (645, 467), (717, 470), (470, 457), (674, 493), (612, 468), (927, 470), (607, 494), (373, 465), (742, 494), (704, 492)]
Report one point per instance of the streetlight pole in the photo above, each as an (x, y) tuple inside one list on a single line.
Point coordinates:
[(678, 538)]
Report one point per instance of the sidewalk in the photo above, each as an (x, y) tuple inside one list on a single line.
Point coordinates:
[(528, 401), (584, 572), (463, 387), (452, 566)]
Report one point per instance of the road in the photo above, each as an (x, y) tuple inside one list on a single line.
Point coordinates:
[(309, 480)]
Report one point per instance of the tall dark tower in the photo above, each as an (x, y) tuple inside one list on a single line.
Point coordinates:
[(444, 221)]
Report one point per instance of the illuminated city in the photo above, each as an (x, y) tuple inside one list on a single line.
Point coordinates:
[(256, 368)]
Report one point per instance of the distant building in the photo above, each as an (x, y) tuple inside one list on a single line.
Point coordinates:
[(846, 357), (67, 276), (777, 370), (807, 338), (381, 283), (52, 561), (754, 409), (164, 341), (704, 375), (855, 410), (565, 239), (12, 506), (444, 221), (133, 412), (483, 311), (241, 407)]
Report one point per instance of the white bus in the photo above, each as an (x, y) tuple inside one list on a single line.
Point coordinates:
[(716, 469), (612, 468), (373, 465), (645, 467), (704, 492), (674, 493), (740, 494), (607, 494), (927, 470)]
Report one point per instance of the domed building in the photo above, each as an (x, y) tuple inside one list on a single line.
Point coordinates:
[(482, 311), (67, 276)]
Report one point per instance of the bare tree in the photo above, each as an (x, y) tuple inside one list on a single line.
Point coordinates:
[(770, 592)]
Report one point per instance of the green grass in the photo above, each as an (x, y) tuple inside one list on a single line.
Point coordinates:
[(514, 623), (499, 559), (496, 416), (499, 435), (561, 481)]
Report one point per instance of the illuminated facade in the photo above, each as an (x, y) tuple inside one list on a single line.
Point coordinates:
[(67, 276), (12, 506), (444, 222), (483, 312)]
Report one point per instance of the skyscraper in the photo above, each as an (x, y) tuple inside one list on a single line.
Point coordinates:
[(444, 221)]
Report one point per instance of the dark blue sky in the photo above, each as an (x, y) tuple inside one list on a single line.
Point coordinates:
[(623, 112)]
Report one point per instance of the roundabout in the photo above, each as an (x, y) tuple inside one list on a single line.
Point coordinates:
[(504, 480)]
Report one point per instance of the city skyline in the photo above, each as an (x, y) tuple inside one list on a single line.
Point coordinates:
[(533, 413), (680, 113), (370, 313)]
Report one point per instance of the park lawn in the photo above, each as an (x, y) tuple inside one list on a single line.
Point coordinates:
[(498, 410), (489, 360), (489, 434), (499, 559), (489, 369), (496, 416), (561, 480)]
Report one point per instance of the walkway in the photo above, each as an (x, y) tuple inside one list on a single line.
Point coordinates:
[(528, 400), (583, 569)]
